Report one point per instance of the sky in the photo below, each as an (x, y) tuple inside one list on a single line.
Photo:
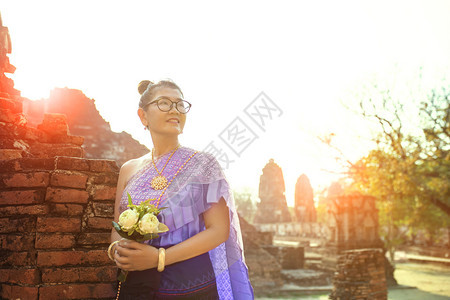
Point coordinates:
[(307, 61)]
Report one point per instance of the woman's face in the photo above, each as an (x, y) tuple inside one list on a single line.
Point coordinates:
[(160, 122)]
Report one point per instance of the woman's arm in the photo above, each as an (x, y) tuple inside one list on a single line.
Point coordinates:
[(135, 256), (124, 175)]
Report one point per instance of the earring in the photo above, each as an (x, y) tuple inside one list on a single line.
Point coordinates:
[(145, 127)]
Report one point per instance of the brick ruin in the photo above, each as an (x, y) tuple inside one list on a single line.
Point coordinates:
[(55, 211), (360, 275), (84, 120), (355, 250), (353, 222), (264, 268), (305, 210), (273, 206)]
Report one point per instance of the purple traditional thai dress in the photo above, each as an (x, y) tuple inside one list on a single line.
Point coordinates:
[(219, 274)]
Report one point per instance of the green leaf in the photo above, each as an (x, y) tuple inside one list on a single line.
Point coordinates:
[(130, 202)]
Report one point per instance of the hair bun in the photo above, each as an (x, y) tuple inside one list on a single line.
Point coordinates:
[(142, 86)]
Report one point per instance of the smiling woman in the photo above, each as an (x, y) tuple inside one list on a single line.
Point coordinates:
[(201, 256)]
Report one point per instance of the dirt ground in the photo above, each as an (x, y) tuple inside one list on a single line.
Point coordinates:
[(432, 281), (418, 282)]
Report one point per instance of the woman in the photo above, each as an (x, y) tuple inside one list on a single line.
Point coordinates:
[(203, 247)]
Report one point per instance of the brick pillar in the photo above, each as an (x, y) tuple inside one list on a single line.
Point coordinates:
[(360, 274)]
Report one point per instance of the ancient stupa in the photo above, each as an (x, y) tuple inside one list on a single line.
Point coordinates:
[(304, 201), (273, 207)]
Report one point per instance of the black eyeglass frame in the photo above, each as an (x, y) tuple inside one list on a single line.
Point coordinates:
[(188, 108)]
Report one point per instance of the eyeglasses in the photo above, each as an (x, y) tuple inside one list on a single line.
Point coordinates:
[(165, 104)]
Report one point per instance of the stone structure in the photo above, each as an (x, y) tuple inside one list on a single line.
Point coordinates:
[(273, 207), (295, 230), (305, 210), (6, 84), (84, 119), (360, 274), (56, 209), (264, 269), (289, 257), (353, 222)]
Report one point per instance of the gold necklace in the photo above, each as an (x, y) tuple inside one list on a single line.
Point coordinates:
[(166, 187), (159, 182)]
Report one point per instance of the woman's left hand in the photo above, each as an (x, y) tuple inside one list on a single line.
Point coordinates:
[(133, 256)]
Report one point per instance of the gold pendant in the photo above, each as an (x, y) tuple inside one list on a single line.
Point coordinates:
[(158, 182)]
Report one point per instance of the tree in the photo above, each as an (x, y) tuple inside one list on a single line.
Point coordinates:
[(245, 205), (409, 171)]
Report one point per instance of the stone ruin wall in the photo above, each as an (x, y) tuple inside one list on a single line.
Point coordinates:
[(56, 209), (360, 275)]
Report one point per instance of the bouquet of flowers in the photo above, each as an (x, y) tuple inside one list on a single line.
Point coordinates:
[(139, 223)]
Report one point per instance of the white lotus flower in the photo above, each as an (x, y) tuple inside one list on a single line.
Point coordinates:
[(149, 223), (128, 219)]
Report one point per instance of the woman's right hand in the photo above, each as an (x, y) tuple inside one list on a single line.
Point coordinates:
[(133, 256)]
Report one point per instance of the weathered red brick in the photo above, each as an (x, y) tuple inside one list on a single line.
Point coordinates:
[(11, 165), (26, 224), (17, 102), (31, 179), (14, 259), (65, 139), (19, 292), (94, 238), (7, 104), (54, 241), (69, 179), (72, 163), (98, 223), (80, 274), (23, 210), (77, 291), (103, 165), (21, 276), (104, 179), (58, 224), (9, 143), (103, 192), (73, 258), (66, 209), (103, 209), (66, 196), (15, 242), (55, 124), (8, 130), (21, 197), (53, 150), (7, 116), (32, 134), (37, 163), (6, 154)]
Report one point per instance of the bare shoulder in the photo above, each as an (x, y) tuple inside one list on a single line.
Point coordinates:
[(131, 167)]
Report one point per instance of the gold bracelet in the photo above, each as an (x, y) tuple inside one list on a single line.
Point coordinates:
[(109, 250), (161, 259)]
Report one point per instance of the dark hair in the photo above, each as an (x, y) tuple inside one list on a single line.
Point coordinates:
[(147, 89)]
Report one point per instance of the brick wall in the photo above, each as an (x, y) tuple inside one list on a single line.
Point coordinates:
[(360, 274), (56, 209)]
